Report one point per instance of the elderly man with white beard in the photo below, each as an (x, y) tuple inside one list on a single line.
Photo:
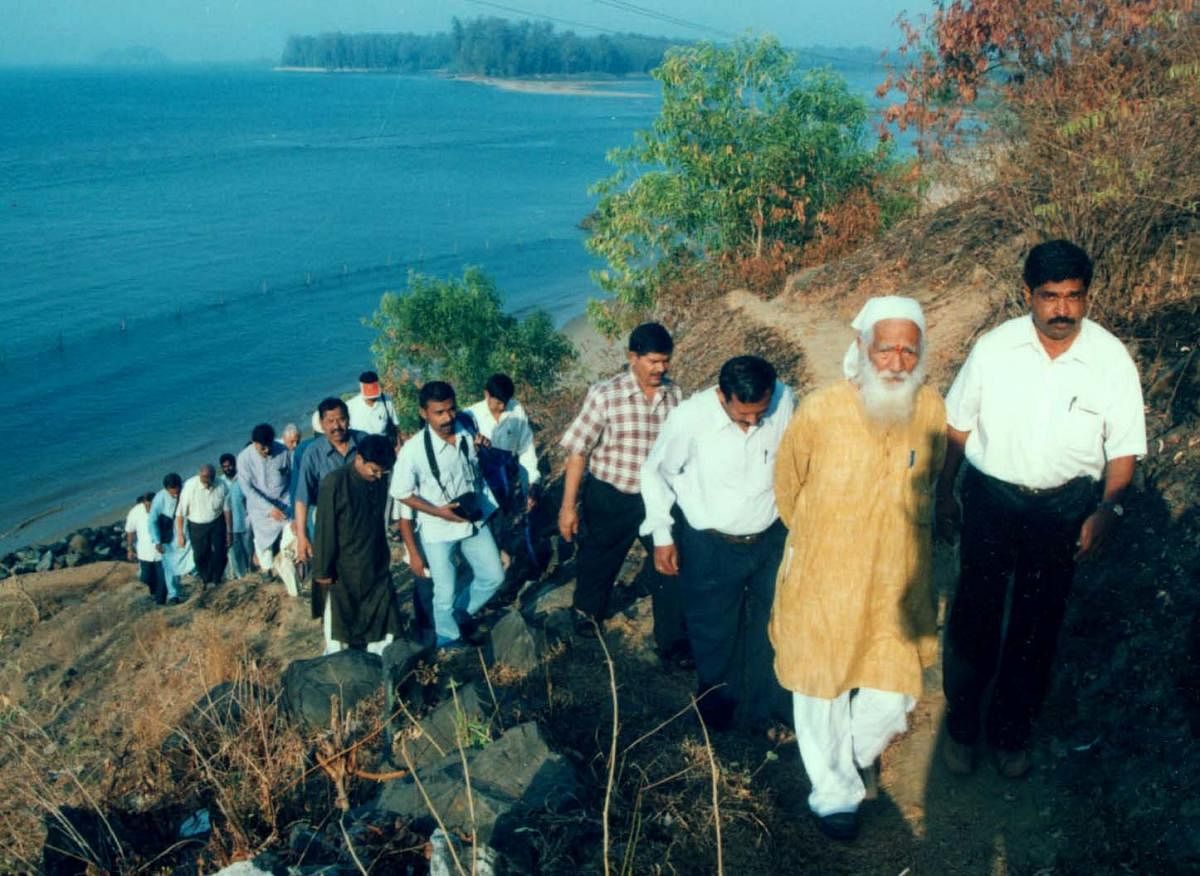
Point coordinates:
[(853, 623)]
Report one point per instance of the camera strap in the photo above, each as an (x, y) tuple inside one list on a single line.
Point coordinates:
[(433, 466)]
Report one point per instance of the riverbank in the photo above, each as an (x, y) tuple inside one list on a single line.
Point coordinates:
[(573, 87)]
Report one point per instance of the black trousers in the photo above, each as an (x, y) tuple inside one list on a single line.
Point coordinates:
[(1031, 538), (727, 591), (610, 521), (209, 546), (151, 574)]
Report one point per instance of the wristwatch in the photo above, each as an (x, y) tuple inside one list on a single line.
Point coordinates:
[(1115, 507)]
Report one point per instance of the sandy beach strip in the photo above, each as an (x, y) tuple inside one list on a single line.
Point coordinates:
[(574, 87)]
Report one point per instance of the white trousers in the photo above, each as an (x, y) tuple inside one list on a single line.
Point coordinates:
[(284, 563), (838, 736)]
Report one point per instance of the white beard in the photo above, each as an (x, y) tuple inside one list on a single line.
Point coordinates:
[(889, 397)]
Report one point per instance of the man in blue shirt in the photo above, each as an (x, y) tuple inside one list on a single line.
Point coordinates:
[(241, 546), (163, 536)]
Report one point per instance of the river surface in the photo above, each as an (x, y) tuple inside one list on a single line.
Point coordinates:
[(186, 252)]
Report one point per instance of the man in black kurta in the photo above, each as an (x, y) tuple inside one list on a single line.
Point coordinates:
[(351, 557)]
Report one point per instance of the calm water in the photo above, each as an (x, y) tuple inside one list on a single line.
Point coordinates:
[(186, 253)]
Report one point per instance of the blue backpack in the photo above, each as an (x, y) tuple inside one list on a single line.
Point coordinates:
[(501, 469)]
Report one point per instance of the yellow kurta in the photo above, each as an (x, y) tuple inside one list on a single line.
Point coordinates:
[(853, 602)]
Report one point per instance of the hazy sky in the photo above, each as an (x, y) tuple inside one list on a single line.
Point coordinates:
[(70, 31)]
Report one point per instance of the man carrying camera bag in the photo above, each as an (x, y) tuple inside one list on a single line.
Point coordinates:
[(437, 475)]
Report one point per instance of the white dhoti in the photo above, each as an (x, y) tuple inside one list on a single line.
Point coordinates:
[(284, 563), (839, 736)]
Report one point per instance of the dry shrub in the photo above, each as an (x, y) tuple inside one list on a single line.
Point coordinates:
[(844, 227), (1110, 158), (236, 753), (763, 274), (1093, 106)]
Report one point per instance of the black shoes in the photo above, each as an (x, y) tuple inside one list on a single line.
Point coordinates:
[(841, 826)]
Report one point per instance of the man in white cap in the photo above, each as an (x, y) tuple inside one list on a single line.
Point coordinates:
[(372, 412), (853, 622)]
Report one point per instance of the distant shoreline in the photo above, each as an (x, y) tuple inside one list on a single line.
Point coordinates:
[(573, 87), (576, 87)]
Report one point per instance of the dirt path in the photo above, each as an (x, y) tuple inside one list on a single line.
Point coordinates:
[(823, 339)]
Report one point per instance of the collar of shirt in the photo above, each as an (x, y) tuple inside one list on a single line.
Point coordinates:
[(628, 387), (325, 447), (1081, 349)]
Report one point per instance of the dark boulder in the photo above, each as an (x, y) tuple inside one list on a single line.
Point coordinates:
[(309, 685)]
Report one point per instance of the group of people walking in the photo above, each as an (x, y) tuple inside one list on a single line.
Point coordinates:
[(792, 540), (789, 540)]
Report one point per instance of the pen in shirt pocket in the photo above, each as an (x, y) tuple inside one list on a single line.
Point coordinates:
[(912, 458)]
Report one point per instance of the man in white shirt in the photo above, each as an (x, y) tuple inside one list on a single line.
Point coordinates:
[(714, 463), (205, 510), (140, 546), (372, 412), (437, 475), (502, 420), (1046, 408)]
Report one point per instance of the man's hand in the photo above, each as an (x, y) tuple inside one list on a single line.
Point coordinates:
[(303, 548), (480, 441), (181, 541), (446, 512), (130, 554), (324, 582), (947, 517), (1094, 532), (568, 522), (159, 548), (666, 559), (417, 564), (276, 514), (228, 539)]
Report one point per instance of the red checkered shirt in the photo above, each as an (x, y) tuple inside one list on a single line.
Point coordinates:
[(617, 426)]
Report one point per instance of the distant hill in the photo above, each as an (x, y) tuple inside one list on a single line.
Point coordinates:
[(485, 46), (132, 56)]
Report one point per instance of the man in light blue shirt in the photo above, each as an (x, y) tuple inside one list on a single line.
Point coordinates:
[(241, 546), (437, 475), (176, 560)]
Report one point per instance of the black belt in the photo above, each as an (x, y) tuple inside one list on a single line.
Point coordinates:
[(753, 538), (1076, 497), (1081, 482)]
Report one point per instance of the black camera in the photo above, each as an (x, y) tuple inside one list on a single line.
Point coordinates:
[(468, 507)]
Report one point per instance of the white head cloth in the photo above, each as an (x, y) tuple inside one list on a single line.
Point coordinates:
[(875, 310)]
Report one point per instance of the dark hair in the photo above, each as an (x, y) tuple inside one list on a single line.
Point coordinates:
[(435, 390), (650, 337), (747, 378), (377, 449), (227, 457), (172, 480), (264, 434), (146, 497), (329, 404), (500, 386), (368, 377), (1055, 261)]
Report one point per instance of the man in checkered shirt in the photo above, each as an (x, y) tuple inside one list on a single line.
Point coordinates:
[(610, 439)]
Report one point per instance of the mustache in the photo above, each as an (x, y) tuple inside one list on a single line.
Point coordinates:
[(1062, 320)]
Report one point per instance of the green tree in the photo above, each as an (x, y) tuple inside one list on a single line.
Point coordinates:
[(746, 151), (456, 330)]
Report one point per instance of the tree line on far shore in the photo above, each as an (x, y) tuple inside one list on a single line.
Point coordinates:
[(484, 46)]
